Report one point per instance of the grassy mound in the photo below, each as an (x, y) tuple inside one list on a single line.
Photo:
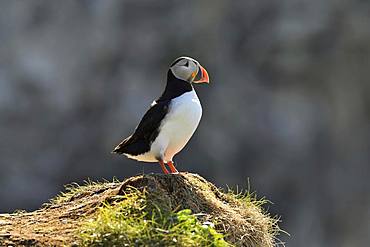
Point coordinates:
[(148, 210), (133, 221)]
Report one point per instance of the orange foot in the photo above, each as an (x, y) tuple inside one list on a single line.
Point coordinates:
[(164, 169), (172, 167)]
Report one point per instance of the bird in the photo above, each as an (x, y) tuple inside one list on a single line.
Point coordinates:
[(171, 120)]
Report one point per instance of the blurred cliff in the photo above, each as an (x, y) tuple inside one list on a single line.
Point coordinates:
[(288, 105)]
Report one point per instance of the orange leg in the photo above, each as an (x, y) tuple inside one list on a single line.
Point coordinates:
[(164, 169), (172, 167)]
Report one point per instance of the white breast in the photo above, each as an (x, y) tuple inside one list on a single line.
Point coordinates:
[(178, 126)]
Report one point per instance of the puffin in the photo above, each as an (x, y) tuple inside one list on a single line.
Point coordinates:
[(171, 120)]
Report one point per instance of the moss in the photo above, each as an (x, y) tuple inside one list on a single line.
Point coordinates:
[(149, 212), (135, 221)]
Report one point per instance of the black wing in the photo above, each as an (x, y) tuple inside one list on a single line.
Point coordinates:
[(146, 132)]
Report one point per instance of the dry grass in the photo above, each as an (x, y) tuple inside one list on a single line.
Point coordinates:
[(70, 218)]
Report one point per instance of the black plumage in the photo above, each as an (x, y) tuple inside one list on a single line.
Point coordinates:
[(147, 130)]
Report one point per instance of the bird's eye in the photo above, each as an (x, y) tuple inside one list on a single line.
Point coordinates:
[(186, 64)]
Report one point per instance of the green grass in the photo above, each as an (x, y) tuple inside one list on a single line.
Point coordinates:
[(157, 210), (153, 210), (134, 221)]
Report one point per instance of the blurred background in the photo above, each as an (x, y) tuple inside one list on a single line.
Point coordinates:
[(288, 105)]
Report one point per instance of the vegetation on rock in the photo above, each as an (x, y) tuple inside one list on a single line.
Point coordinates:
[(148, 210)]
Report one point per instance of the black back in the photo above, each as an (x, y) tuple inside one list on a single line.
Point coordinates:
[(148, 129)]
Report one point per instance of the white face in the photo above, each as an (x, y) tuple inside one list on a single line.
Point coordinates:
[(185, 68)]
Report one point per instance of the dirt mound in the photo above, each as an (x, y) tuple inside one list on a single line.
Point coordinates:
[(240, 218)]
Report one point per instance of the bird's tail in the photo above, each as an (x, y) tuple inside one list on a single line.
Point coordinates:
[(120, 148)]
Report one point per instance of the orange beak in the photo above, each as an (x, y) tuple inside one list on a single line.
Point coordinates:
[(204, 76)]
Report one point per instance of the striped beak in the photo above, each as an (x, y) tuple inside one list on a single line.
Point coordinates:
[(203, 75)]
